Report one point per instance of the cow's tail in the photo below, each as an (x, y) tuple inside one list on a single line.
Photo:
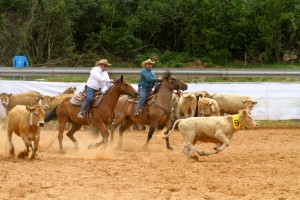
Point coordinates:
[(172, 130), (51, 115)]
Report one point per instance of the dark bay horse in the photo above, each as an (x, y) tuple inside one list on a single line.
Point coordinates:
[(156, 112), (102, 115)]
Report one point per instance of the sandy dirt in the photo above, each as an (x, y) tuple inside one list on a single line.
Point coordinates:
[(259, 164)]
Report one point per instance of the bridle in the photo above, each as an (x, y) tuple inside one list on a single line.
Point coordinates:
[(174, 84)]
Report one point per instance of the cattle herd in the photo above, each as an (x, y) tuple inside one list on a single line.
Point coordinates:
[(199, 116)]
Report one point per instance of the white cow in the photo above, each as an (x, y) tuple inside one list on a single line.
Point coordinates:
[(232, 103), (187, 105), (208, 107), (218, 130), (201, 94)]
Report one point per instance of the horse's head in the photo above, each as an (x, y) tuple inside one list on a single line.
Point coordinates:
[(125, 88), (173, 83), (5, 99)]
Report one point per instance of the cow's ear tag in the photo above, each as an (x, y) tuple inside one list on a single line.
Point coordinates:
[(236, 121)]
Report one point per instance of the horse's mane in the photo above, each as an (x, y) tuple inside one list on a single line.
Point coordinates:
[(167, 75), (115, 82)]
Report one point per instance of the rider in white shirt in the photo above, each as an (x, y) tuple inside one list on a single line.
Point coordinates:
[(99, 79)]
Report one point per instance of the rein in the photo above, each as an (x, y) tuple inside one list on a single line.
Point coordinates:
[(167, 87), (166, 110)]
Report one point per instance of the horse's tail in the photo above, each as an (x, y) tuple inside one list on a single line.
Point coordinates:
[(51, 115), (174, 126)]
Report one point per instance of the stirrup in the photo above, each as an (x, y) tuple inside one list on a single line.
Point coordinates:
[(80, 115), (137, 113)]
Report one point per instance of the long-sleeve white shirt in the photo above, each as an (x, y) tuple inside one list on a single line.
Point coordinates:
[(98, 79)]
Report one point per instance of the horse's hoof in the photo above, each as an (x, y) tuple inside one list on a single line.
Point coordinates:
[(193, 158), (22, 154), (145, 148), (91, 146), (118, 148), (61, 151), (12, 154), (202, 153), (170, 148)]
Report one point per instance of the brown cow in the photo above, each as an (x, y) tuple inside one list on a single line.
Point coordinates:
[(47, 101), (25, 122), (50, 102), (29, 98), (218, 130)]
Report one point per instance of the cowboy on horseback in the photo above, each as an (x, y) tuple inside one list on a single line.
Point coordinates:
[(147, 81), (99, 79)]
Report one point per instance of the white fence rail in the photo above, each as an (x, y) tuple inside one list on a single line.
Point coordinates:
[(276, 101)]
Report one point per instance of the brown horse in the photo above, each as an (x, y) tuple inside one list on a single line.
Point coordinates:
[(102, 115), (156, 112)]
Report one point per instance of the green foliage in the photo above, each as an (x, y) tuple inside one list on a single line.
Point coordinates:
[(174, 59), (177, 31)]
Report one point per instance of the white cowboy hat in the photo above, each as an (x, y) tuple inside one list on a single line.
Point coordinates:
[(103, 61), (147, 61)]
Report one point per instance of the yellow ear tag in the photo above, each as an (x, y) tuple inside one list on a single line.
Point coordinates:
[(236, 121), (52, 103)]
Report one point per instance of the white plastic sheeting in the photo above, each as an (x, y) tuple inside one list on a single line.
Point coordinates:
[(276, 101)]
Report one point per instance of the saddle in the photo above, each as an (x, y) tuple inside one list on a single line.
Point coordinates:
[(79, 98), (149, 99)]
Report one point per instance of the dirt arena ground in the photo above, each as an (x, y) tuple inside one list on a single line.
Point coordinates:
[(259, 164)]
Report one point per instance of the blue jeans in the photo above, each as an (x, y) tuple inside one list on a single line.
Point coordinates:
[(89, 98), (143, 93)]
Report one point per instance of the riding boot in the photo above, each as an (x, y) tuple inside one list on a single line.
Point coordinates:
[(80, 115), (138, 112)]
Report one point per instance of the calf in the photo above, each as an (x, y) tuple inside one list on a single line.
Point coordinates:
[(208, 107), (187, 105), (50, 102), (218, 130), (26, 98), (201, 94), (47, 101), (25, 122), (70, 90), (232, 103)]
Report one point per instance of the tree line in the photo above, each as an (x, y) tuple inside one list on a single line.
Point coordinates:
[(78, 32)]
